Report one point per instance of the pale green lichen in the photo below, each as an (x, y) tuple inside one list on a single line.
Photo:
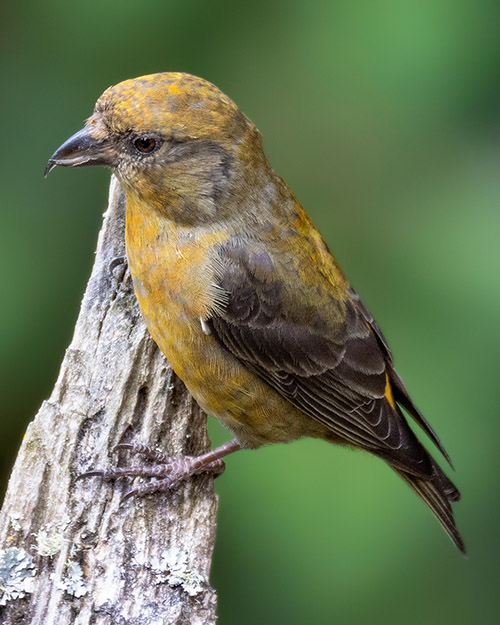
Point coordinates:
[(17, 570), (171, 567), (73, 583), (15, 522), (48, 544)]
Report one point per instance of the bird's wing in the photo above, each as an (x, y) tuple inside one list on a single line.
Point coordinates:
[(399, 391), (334, 367)]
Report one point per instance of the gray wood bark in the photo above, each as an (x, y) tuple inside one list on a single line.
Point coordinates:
[(69, 553)]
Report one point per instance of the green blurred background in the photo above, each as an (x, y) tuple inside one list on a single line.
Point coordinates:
[(384, 119)]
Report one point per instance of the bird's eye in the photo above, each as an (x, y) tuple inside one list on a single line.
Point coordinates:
[(145, 144)]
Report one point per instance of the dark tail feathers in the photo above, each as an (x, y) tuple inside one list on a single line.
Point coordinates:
[(438, 492)]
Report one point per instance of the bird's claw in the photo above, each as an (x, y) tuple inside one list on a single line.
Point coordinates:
[(93, 473), (116, 262), (167, 473), (147, 488), (149, 452)]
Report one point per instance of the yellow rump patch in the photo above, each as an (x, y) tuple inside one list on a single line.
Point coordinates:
[(388, 391)]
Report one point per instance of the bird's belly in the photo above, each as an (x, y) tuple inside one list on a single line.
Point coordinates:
[(222, 386), (171, 277)]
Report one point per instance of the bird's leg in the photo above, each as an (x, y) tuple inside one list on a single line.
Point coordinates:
[(118, 268), (117, 261), (216, 467), (168, 472)]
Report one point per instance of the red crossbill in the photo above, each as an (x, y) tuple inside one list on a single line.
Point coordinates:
[(240, 291)]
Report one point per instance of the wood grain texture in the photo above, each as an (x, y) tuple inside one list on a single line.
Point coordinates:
[(148, 561)]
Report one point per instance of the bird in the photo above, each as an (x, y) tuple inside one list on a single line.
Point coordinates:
[(241, 292)]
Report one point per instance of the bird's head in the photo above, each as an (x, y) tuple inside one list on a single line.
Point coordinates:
[(173, 140)]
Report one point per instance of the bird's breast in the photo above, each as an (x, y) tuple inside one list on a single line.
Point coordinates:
[(174, 278), (172, 267), (175, 283)]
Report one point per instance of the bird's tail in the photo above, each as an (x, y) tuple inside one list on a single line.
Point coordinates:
[(438, 492)]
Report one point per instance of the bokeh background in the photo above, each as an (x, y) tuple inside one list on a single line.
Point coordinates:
[(383, 116)]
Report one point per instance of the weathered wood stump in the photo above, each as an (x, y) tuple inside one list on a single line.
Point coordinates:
[(69, 553)]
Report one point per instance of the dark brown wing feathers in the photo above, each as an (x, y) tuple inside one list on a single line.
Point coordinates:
[(398, 388), (336, 371)]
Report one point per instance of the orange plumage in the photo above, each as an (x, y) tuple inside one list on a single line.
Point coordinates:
[(239, 289)]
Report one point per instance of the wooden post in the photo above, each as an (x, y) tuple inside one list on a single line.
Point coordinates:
[(69, 553)]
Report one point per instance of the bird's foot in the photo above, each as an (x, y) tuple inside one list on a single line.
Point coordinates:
[(167, 473), (117, 262)]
